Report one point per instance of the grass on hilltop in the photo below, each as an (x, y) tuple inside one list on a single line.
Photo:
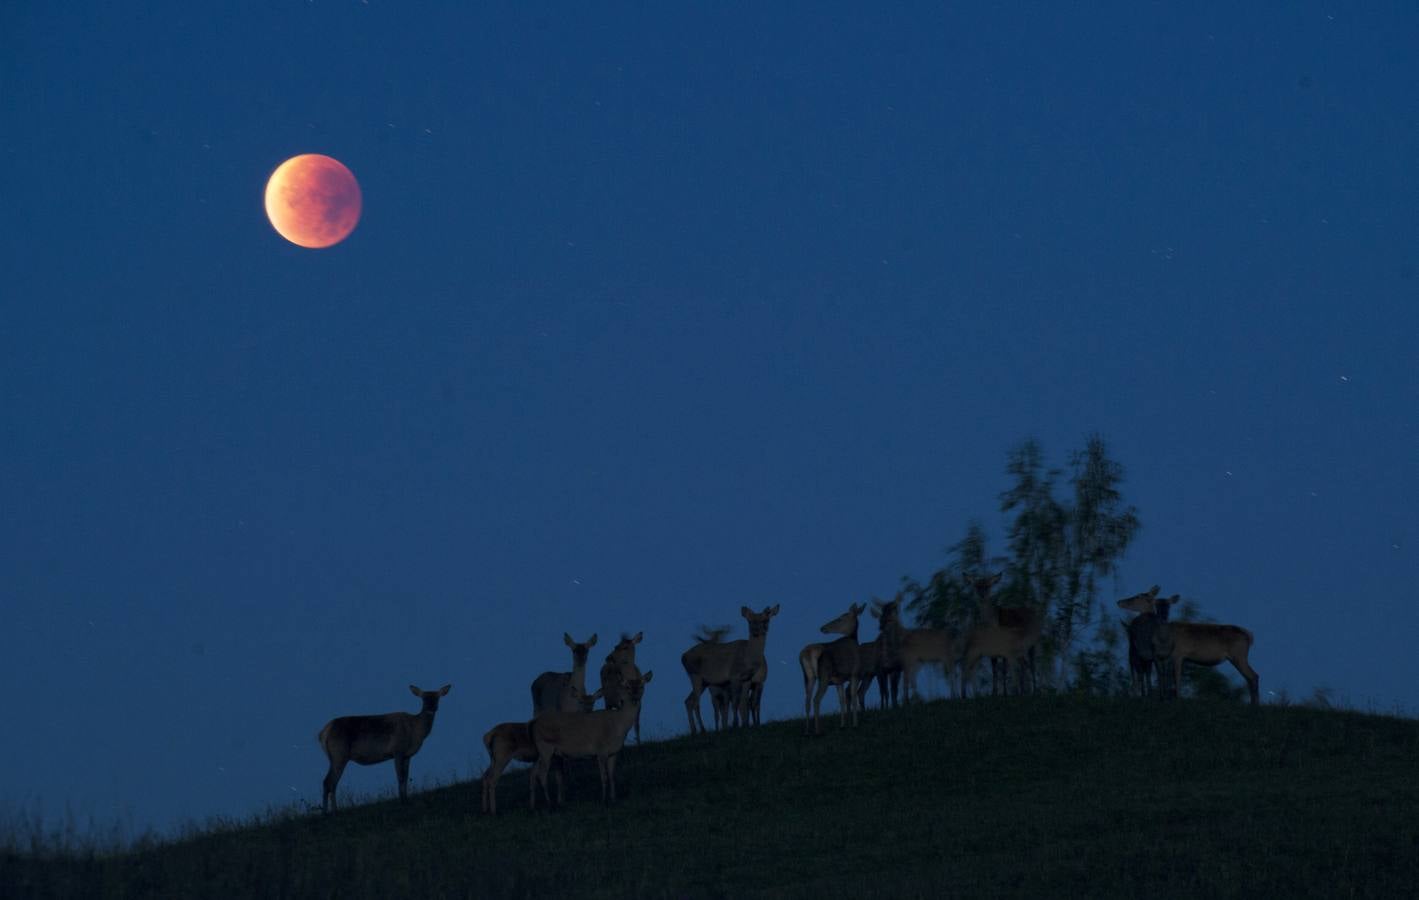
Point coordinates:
[(1047, 796)]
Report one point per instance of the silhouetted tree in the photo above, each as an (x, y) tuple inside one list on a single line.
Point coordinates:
[(1058, 554)]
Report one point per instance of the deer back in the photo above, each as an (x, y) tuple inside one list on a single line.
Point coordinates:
[(719, 662), (1207, 643)]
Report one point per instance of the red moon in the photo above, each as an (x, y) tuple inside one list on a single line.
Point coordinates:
[(313, 201)]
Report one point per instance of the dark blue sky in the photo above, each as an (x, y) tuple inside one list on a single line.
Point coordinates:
[(652, 314)]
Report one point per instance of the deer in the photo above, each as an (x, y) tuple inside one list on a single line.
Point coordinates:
[(1011, 637), (838, 665), (732, 664), (720, 697), (619, 668), (1140, 630), (1020, 618), (1174, 643), (869, 654), (601, 734), (368, 740), (886, 656), (512, 742), (554, 690), (902, 651)]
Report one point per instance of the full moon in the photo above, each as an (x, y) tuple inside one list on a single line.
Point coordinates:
[(313, 201)]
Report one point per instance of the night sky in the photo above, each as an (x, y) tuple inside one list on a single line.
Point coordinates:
[(652, 314)]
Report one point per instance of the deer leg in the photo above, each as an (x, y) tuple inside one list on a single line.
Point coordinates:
[(692, 703), (490, 785), (611, 774), (538, 774), (332, 780), (818, 704), (1253, 680), (968, 672), (853, 701), (638, 725), (401, 772)]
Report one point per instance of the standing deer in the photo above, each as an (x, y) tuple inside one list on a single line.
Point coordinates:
[(619, 668), (719, 694), (1020, 618), (870, 661), (373, 739), (733, 664), (1177, 642), (601, 734), (902, 651), (839, 664), (562, 690), (512, 741), (1012, 639), (1141, 630), (887, 662), (867, 655)]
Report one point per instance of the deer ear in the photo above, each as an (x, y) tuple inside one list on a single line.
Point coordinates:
[(772, 610), (416, 692), (648, 676), (637, 638), (592, 641), (443, 691), (567, 639), (1153, 591), (745, 611)]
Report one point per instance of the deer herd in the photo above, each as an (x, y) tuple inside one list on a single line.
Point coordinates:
[(566, 724)]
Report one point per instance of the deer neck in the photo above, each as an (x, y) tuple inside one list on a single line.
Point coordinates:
[(754, 649), (578, 679), (423, 724), (891, 637)]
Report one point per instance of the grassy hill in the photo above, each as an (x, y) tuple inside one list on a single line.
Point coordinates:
[(1049, 796)]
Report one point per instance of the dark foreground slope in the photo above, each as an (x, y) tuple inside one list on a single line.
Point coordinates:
[(1050, 797)]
